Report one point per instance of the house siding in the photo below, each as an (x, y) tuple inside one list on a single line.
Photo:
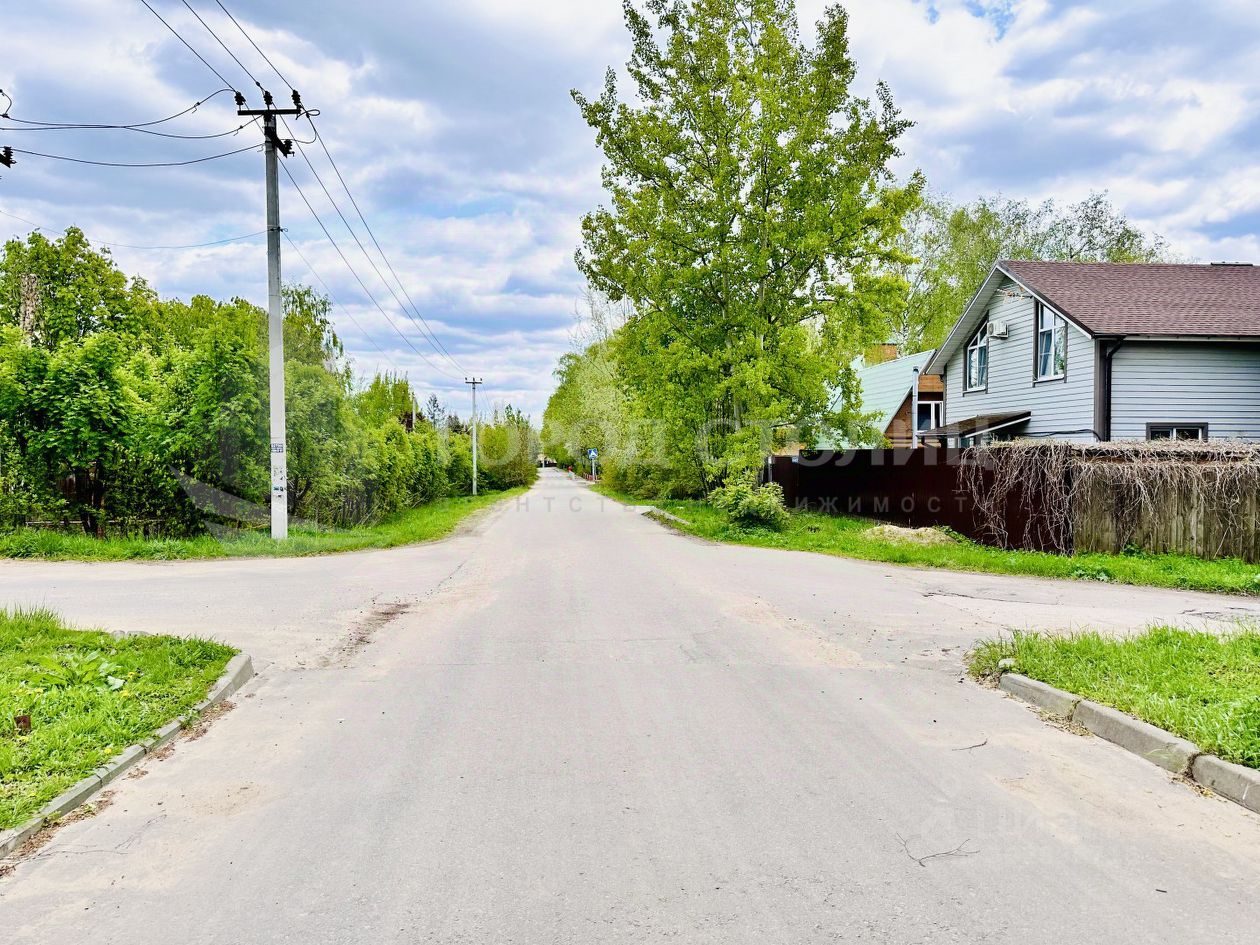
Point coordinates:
[(1186, 382), (1064, 408)]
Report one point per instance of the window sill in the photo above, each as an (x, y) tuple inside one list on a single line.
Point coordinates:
[(1057, 379)]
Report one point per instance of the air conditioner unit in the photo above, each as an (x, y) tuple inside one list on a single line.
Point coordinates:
[(997, 330)]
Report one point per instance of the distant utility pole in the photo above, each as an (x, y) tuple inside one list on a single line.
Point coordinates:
[(474, 382), (412, 394), (275, 306)]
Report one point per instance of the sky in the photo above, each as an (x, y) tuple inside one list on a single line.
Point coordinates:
[(454, 130)]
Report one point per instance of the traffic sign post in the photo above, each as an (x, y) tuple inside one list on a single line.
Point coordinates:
[(593, 455)]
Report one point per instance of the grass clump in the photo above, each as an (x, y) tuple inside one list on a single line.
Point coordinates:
[(434, 520), (1200, 686), (88, 696), (850, 537)]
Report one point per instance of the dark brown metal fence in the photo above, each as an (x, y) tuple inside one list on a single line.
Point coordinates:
[(913, 488)]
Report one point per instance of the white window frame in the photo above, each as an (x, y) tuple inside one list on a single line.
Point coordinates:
[(1200, 428), (979, 343), (1051, 323), (935, 408)]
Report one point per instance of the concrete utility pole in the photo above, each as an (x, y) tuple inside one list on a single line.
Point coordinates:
[(474, 381), (275, 309)]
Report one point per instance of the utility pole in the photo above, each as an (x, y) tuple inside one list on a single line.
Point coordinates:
[(275, 306), (474, 382)]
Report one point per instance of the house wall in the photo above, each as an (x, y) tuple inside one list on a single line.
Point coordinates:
[(1063, 407), (900, 429), (1185, 382)]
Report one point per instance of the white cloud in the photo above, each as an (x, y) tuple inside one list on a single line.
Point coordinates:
[(453, 126)]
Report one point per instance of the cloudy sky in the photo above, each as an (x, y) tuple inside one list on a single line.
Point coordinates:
[(454, 129)]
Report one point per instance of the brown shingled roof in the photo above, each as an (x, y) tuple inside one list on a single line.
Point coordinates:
[(1148, 298)]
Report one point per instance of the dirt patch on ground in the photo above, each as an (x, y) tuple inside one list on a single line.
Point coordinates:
[(896, 535), (48, 831), (362, 632), (207, 718)]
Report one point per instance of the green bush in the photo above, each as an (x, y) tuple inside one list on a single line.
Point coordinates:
[(751, 506), (112, 401)]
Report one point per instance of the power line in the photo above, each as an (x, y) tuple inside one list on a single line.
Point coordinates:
[(426, 332), (135, 125), (230, 239), (359, 279), (74, 160), (175, 32), (390, 266), (145, 131), (255, 45), (209, 30), (312, 270), (426, 329)]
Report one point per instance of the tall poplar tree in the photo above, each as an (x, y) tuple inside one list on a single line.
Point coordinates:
[(751, 226)]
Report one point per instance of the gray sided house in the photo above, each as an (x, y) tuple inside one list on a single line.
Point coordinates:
[(1104, 351)]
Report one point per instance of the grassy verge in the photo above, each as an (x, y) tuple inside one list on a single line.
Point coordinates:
[(426, 523), (88, 696), (846, 537), (1197, 685)]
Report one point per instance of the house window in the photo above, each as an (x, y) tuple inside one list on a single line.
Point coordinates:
[(1051, 344), (1176, 431), (977, 367), (929, 415)]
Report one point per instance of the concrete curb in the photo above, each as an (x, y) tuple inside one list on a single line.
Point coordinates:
[(1241, 785), (1154, 744), (239, 670), (1055, 701), (1172, 753)]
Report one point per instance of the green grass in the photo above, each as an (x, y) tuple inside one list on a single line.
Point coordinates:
[(426, 523), (845, 537), (1197, 685), (79, 726)]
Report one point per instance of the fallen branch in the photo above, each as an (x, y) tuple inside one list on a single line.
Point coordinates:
[(960, 850), (970, 747)]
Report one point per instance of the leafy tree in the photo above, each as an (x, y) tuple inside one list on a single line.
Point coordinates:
[(61, 291), (111, 400), (750, 228), (68, 413), (953, 249)]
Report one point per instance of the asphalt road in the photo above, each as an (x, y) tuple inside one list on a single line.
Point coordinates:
[(571, 725)]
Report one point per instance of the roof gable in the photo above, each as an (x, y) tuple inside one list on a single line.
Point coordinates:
[(1148, 298), (966, 325)]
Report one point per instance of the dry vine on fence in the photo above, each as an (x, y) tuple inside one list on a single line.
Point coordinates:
[(1043, 489)]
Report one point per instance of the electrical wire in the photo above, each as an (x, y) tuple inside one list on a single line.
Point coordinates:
[(413, 313), (211, 31), (74, 160), (175, 32), (230, 239), (255, 45), (375, 242), (145, 131), (359, 279), (134, 126), (426, 332), (332, 298)]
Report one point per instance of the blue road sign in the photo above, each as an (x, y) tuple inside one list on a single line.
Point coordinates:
[(592, 453)]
